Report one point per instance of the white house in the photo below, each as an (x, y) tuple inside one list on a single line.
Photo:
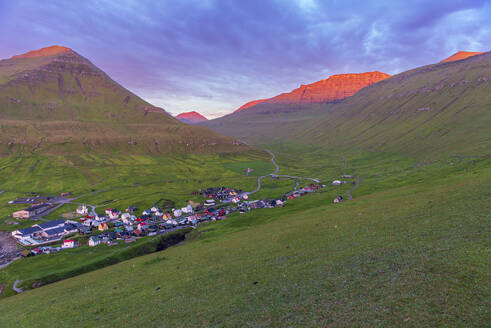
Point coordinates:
[(336, 183), (94, 241), (68, 243), (177, 213), (82, 210), (155, 209), (114, 215), (188, 209)]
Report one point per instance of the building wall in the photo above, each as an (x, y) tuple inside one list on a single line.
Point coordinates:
[(23, 214)]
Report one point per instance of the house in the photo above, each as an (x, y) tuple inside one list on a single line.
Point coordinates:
[(130, 239), (128, 220), (336, 183), (338, 199), (84, 230), (155, 209), (177, 213), (94, 241), (131, 209), (82, 210), (209, 202), (66, 194), (114, 214), (31, 211), (187, 210), (142, 226), (103, 226), (68, 243)]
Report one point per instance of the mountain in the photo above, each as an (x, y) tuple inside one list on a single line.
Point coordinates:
[(334, 88), (53, 100), (461, 55), (438, 109), (191, 117)]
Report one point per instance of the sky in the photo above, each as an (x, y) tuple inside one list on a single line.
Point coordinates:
[(213, 56)]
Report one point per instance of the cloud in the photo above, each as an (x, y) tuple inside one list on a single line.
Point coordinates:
[(213, 56)]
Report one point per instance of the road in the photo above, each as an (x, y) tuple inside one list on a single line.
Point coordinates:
[(17, 289), (356, 186), (277, 168)]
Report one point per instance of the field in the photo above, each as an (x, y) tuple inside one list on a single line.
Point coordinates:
[(407, 250)]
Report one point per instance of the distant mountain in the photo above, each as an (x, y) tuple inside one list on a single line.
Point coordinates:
[(430, 111), (191, 117), (334, 88), (53, 100), (461, 55)]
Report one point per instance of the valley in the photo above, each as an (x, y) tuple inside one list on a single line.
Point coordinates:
[(361, 193)]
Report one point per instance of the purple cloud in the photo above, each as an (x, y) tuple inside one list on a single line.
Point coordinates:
[(213, 56)]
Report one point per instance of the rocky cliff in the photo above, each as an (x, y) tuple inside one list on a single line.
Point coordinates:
[(334, 88)]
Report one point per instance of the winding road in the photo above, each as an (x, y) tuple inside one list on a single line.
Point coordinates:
[(17, 289), (277, 168), (356, 186)]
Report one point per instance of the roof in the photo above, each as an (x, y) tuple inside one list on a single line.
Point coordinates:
[(28, 231), (54, 231), (35, 207), (50, 224)]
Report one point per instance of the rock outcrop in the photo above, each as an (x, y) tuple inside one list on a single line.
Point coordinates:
[(334, 88), (191, 117), (48, 51), (461, 55)]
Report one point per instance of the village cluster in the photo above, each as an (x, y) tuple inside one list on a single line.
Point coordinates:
[(114, 226)]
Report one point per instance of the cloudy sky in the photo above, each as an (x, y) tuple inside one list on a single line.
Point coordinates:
[(213, 56)]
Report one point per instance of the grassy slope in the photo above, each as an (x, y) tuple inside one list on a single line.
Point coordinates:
[(385, 116), (309, 264)]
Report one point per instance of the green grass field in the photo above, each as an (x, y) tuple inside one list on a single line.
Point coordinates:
[(409, 249)]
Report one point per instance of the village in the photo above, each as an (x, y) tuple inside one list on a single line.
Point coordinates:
[(115, 226)]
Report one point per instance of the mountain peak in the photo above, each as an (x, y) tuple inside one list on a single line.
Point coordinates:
[(191, 117), (47, 51), (461, 55)]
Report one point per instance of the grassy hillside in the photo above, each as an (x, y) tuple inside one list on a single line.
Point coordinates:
[(367, 262), (426, 112), (62, 103)]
